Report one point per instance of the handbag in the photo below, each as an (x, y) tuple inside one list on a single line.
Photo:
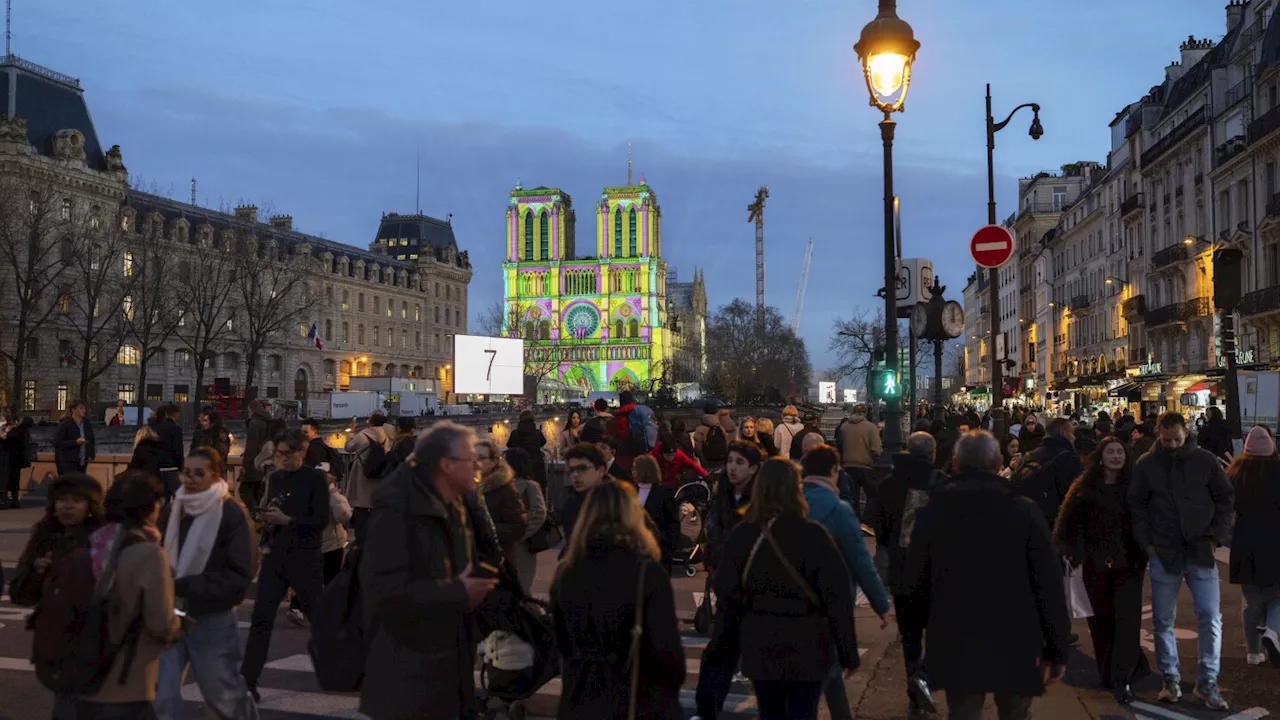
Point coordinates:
[(637, 633), (1077, 596), (547, 536)]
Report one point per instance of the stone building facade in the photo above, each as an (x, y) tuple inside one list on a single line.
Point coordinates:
[(374, 312)]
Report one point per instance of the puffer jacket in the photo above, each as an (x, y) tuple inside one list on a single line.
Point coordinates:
[(1181, 502), (420, 648)]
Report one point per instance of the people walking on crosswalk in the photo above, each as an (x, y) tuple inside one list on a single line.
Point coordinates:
[(614, 614), (1255, 543), (208, 542)]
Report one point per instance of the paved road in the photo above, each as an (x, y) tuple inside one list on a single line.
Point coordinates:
[(290, 692)]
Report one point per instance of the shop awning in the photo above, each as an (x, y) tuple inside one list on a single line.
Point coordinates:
[(1123, 390), (1198, 387)]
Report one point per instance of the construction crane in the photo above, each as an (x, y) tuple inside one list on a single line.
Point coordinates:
[(804, 284), (755, 213)]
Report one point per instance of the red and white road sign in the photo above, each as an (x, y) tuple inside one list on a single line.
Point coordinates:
[(991, 246)]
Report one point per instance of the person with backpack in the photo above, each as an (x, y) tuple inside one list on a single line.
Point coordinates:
[(368, 449), (711, 439), (785, 433), (402, 444), (128, 619), (296, 514), (209, 543), (593, 430), (420, 578), (1047, 472), (634, 427), (529, 437)]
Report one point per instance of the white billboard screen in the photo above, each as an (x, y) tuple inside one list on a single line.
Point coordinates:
[(827, 393), (488, 365)]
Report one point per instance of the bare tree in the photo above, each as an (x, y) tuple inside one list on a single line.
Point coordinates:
[(272, 296), (206, 281), (493, 320), (35, 266), (753, 357), (98, 289), (857, 340), (153, 313)]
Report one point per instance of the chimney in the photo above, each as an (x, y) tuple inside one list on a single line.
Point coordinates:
[(1173, 72), (1235, 14), (284, 222), (248, 213), (1193, 50)]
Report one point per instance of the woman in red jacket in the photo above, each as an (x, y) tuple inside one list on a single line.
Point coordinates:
[(672, 460)]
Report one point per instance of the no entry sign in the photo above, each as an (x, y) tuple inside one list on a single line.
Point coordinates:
[(991, 246)]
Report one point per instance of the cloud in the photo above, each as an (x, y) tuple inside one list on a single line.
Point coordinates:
[(336, 171)]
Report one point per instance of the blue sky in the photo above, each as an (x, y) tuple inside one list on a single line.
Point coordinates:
[(317, 107)]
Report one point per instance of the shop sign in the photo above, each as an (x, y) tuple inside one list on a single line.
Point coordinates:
[(1243, 357), (1151, 368)]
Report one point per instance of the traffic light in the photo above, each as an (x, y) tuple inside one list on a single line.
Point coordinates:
[(884, 383)]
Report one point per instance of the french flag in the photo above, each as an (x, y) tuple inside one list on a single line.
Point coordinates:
[(314, 334)]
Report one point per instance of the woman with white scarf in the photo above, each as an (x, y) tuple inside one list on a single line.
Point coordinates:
[(210, 547)]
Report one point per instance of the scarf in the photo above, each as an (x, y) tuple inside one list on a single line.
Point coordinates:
[(821, 481), (206, 508)]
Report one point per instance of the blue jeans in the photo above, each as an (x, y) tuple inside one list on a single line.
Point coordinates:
[(1261, 609), (1203, 582), (211, 646), (836, 696)]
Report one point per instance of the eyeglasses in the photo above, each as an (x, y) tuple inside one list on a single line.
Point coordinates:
[(578, 469), (473, 459)]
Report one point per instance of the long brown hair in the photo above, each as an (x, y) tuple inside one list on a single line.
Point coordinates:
[(777, 492), (611, 516), (1095, 474), (1250, 474), (646, 471)]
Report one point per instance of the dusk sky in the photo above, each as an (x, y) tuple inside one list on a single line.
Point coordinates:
[(317, 107)]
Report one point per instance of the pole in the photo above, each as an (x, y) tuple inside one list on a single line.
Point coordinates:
[(937, 380), (993, 279), (1233, 384), (911, 359), (892, 404)]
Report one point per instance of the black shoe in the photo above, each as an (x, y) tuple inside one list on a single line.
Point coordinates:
[(918, 692), (253, 691), (1124, 694), (1072, 639)]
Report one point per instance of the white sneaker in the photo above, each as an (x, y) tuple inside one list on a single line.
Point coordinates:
[(297, 618), (1255, 658)]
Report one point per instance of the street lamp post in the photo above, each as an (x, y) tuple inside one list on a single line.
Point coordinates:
[(993, 275), (886, 49)]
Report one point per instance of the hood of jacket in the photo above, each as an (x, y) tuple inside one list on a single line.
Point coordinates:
[(497, 477), (626, 409), (856, 418)]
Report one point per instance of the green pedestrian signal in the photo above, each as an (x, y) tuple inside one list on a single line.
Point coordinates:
[(884, 383)]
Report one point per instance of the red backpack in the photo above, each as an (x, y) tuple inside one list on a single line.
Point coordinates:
[(72, 649)]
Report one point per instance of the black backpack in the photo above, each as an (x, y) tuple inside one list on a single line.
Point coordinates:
[(339, 643), (716, 447), (373, 459), (1036, 480)]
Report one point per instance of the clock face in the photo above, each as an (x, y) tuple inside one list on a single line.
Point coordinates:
[(953, 319), (919, 319)]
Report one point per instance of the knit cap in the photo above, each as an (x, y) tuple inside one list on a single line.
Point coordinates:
[(1259, 442)]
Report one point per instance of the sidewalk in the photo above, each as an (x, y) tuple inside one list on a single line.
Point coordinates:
[(15, 527)]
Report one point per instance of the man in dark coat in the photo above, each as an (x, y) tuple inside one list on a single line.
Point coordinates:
[(73, 444), (1047, 472), (1182, 503), (1010, 639), (421, 580), (256, 431), (1215, 436), (164, 422)]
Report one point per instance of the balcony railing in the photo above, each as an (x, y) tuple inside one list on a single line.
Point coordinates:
[(1265, 125), (1134, 306), (1236, 93), (1273, 206), (1175, 136), (1177, 312), (1130, 204), (1232, 147), (1043, 206), (1079, 302), (1168, 256), (40, 70), (1260, 301)]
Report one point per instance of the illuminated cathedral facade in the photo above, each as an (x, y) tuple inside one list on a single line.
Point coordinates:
[(591, 322)]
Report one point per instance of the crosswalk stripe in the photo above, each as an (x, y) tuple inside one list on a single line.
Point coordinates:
[(1157, 711)]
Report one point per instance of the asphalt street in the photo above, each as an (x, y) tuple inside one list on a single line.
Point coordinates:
[(877, 692)]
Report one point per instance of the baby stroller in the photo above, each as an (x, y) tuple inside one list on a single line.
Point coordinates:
[(518, 654), (693, 498)]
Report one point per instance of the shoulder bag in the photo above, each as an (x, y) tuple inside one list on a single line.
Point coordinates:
[(637, 633), (765, 534)]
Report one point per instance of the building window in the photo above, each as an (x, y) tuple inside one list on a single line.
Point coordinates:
[(617, 232), (448, 313), (375, 335), (346, 299), (128, 355), (65, 212), (377, 304), (328, 369), (417, 313), (391, 337), (64, 303), (155, 392), (29, 394), (33, 349), (303, 329), (126, 307), (360, 334), (346, 332), (436, 310), (544, 232), (64, 392), (417, 340), (360, 302), (273, 391), (126, 393), (631, 232), (404, 310), (181, 394), (528, 241)]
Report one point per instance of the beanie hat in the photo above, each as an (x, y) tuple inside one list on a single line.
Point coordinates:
[(1259, 442)]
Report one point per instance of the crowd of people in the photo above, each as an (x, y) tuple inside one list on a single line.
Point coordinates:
[(442, 528)]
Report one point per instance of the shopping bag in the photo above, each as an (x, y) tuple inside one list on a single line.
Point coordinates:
[(1077, 597)]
